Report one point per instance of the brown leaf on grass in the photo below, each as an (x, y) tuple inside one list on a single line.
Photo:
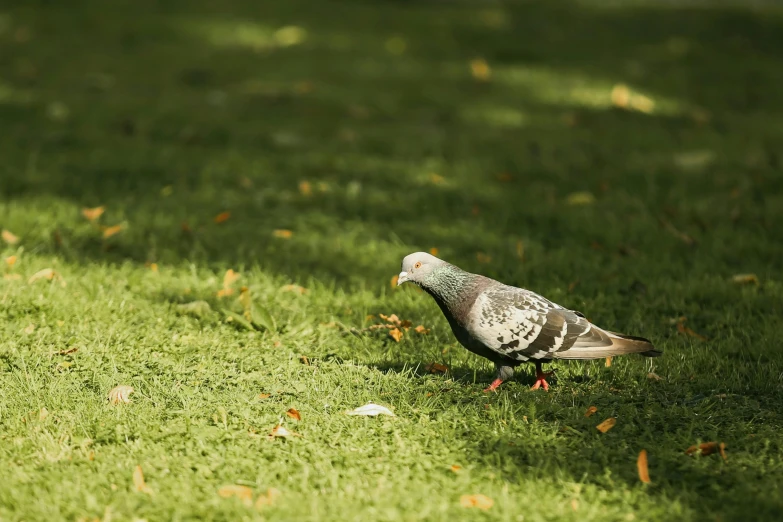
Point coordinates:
[(682, 236), (475, 210), (293, 288), (46, 273), (294, 414), (393, 281), (687, 331), (476, 501), (229, 279), (243, 493), (606, 425), (282, 233), (396, 334), (608, 362), (66, 351), (654, 376), (641, 466), (621, 95), (92, 214), (590, 411), (456, 468), (433, 251), (436, 179), (483, 258), (222, 217), (138, 481), (10, 261), (305, 188), (420, 329), (264, 395), (479, 69), (436, 368), (282, 432), (111, 231), (520, 250), (504, 177), (708, 448), (744, 279), (9, 237), (120, 394), (267, 499)]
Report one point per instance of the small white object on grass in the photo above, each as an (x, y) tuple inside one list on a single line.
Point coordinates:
[(371, 410)]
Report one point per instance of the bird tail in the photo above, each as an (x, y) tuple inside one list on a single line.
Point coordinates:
[(598, 343)]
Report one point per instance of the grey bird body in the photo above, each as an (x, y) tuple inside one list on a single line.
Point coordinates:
[(509, 325)]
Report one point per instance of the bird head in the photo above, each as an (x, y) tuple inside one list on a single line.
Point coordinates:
[(417, 267)]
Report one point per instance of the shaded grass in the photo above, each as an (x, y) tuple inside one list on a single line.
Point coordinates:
[(172, 113)]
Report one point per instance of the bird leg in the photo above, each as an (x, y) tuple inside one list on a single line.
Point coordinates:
[(541, 377), (502, 373)]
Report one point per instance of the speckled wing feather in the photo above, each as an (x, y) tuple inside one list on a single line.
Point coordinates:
[(522, 325)]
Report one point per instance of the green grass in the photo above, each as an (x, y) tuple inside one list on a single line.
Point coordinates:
[(171, 113)]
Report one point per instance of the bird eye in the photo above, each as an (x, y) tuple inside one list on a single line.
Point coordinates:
[(417, 265)]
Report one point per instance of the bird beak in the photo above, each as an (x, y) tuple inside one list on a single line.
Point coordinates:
[(402, 278)]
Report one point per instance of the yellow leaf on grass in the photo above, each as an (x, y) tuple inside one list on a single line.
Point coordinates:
[(476, 501), (9, 237), (120, 394), (46, 273), (229, 279), (294, 414), (396, 334), (293, 288), (621, 95), (282, 233), (606, 425), (243, 493), (608, 362), (456, 468), (708, 448), (92, 214), (520, 250), (393, 282), (111, 231), (580, 198), (436, 368), (744, 279), (282, 432), (268, 499), (590, 411), (305, 188), (263, 395), (420, 329), (436, 179), (654, 376), (222, 217), (641, 466), (433, 251), (154, 267), (10, 261), (480, 69), (483, 258), (138, 481)]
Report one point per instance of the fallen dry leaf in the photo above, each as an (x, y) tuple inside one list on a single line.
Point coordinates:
[(264, 395), (436, 368), (687, 331), (267, 499), (229, 279), (654, 376), (480, 70), (393, 281), (744, 279), (433, 251), (580, 198), (420, 329), (520, 250), (641, 466), (11, 277), (282, 432), (620, 95), (590, 411), (282, 233), (456, 468), (476, 501), (92, 214), (436, 179), (138, 481), (46, 273), (371, 410), (483, 258), (504, 177), (222, 217), (120, 394), (293, 288), (294, 414), (10, 261), (708, 448), (396, 334), (243, 493), (305, 188), (9, 237), (606, 425), (608, 362), (111, 231)]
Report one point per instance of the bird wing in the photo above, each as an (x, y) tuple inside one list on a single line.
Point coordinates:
[(522, 325)]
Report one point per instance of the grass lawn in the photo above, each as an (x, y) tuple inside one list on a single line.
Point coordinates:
[(621, 158)]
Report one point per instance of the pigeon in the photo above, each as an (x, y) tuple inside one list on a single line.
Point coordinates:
[(509, 325)]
